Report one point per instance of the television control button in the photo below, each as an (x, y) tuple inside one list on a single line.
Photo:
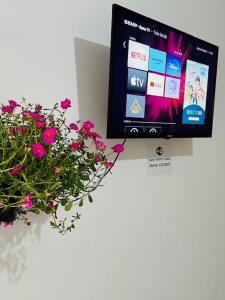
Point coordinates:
[(134, 129), (153, 130)]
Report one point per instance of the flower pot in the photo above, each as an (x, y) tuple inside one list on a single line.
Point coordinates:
[(8, 215)]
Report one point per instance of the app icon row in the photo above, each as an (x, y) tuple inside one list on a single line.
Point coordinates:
[(143, 57), (153, 84)]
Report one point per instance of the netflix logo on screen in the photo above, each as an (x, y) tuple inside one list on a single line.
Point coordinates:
[(138, 55)]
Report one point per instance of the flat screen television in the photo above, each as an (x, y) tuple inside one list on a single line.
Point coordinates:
[(162, 81)]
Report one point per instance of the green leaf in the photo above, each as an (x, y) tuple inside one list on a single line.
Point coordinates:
[(47, 210), (69, 206), (37, 211), (84, 177), (53, 186), (77, 192), (80, 185), (81, 202), (93, 168), (64, 201), (53, 224), (90, 198)]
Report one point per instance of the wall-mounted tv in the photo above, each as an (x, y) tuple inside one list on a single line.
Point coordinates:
[(162, 80)]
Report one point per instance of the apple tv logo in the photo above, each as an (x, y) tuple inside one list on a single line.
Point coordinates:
[(137, 80)]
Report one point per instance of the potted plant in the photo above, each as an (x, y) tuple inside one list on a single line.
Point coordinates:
[(47, 164)]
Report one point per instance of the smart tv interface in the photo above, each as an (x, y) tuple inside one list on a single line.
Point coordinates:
[(162, 81)]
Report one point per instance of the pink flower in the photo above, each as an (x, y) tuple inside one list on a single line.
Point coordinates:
[(74, 145), (81, 145), (49, 135), (38, 107), (51, 203), (109, 164), (16, 170), (34, 115), (98, 157), (94, 134), (8, 224), (118, 148), (73, 126), (100, 144), (26, 114), (86, 129), (57, 170), (13, 103), (66, 103), (27, 203), (38, 150), (7, 109), (20, 129), (77, 145), (17, 129), (87, 125), (40, 123)]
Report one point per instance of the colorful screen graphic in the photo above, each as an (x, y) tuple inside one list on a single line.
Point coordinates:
[(162, 80), (195, 93)]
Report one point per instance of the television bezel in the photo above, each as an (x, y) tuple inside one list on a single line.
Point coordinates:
[(115, 10)]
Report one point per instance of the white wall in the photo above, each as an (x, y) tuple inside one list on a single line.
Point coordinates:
[(160, 238)]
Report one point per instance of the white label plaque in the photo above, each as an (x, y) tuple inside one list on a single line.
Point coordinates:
[(159, 161)]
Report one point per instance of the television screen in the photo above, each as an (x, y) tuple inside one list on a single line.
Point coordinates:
[(162, 80)]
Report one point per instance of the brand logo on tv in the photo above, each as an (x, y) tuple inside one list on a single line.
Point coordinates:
[(137, 80), (155, 84), (173, 66), (135, 107), (138, 55), (157, 61)]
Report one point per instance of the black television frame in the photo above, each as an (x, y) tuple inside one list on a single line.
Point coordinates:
[(115, 10)]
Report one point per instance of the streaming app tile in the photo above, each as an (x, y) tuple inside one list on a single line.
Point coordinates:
[(137, 80), (135, 106), (172, 87), (138, 55), (157, 61), (155, 84), (173, 66)]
